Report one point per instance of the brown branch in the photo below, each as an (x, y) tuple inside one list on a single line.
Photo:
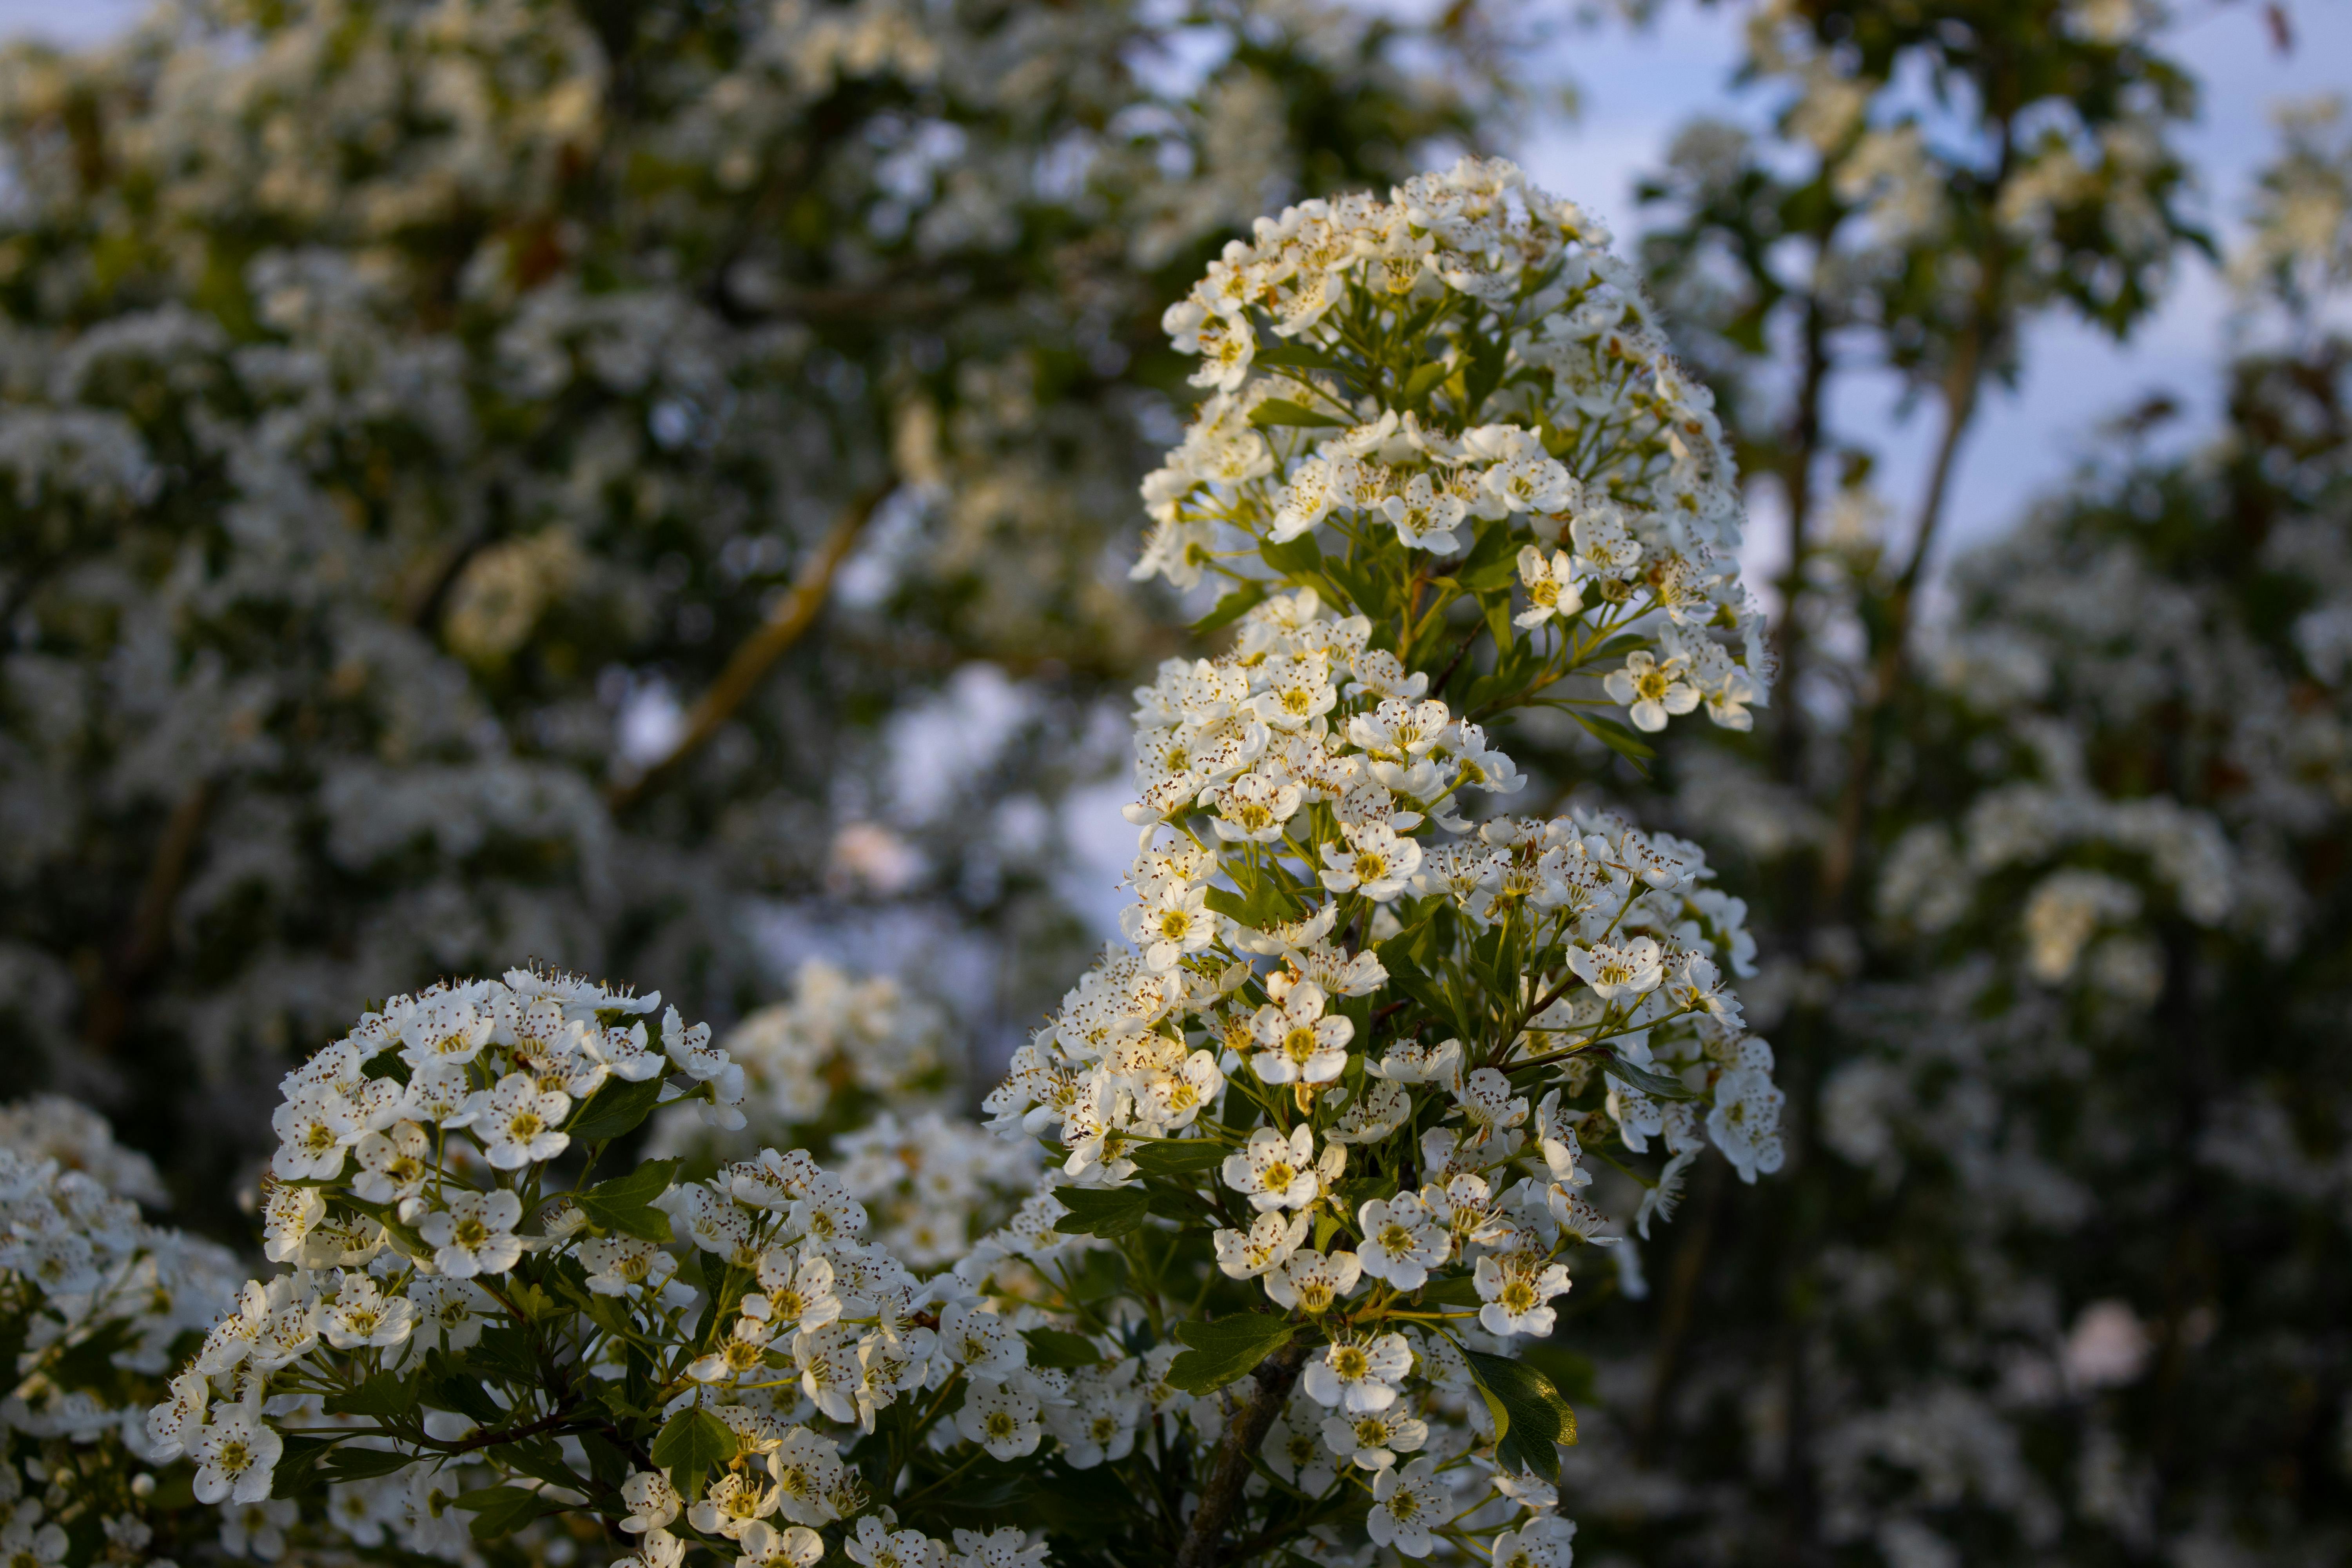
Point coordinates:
[(149, 936), (1204, 1538), (785, 625)]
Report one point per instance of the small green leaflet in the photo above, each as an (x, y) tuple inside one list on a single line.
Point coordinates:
[(1454, 1290), (614, 1109), (384, 1395), (364, 1463), (1231, 607), (1056, 1348), (1282, 411), (690, 1444), (1616, 737), (1175, 1157), (502, 1510), (1295, 354), (1657, 1085), (297, 1463), (625, 1203), (1531, 1417), (1229, 1348), (1106, 1212), (1418, 385), (1265, 905)]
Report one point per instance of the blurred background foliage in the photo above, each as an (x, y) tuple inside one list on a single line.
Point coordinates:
[(432, 430), (645, 485)]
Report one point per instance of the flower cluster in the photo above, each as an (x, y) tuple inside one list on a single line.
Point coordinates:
[(95, 1304), (1534, 390)]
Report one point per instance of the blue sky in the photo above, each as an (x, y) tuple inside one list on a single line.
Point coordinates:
[(1636, 89)]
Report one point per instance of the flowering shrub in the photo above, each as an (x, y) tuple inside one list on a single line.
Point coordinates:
[(1320, 1138)]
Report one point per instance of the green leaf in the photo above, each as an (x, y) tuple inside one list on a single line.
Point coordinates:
[(297, 1464), (694, 1441), (1493, 561), (1498, 618), (625, 1203), (1229, 1348), (1300, 557), (1104, 1212), (446, 1385), (387, 1396), (502, 1510), (640, 1186), (1052, 1347), (1293, 354), (1657, 1085), (1177, 1157), (1483, 374), (364, 1464), (507, 1350), (539, 1459), (1570, 1372), (1454, 1290), (1419, 384), (1231, 607), (1531, 1417), (1282, 411), (1616, 737), (615, 1109)]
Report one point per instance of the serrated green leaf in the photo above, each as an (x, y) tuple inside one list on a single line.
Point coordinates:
[(1175, 1157), (640, 1186), (1298, 356), (1491, 560), (625, 1203), (1497, 607), (1531, 1417), (298, 1466), (692, 1443), (539, 1459), (1232, 606), (1056, 1348), (1657, 1085), (1422, 382), (364, 1463), (1300, 557), (616, 1109), (506, 1349), (1104, 1212), (1616, 737), (1282, 411), (1228, 1348), (501, 1511), (1454, 1290), (387, 1396)]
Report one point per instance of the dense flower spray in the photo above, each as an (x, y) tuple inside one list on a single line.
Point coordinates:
[(1318, 1142)]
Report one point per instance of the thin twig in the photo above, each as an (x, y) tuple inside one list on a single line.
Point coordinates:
[(792, 618), (149, 936), (1203, 1540)]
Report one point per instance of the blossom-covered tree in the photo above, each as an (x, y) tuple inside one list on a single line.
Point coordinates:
[(2054, 913), (428, 425), (1319, 1139)]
